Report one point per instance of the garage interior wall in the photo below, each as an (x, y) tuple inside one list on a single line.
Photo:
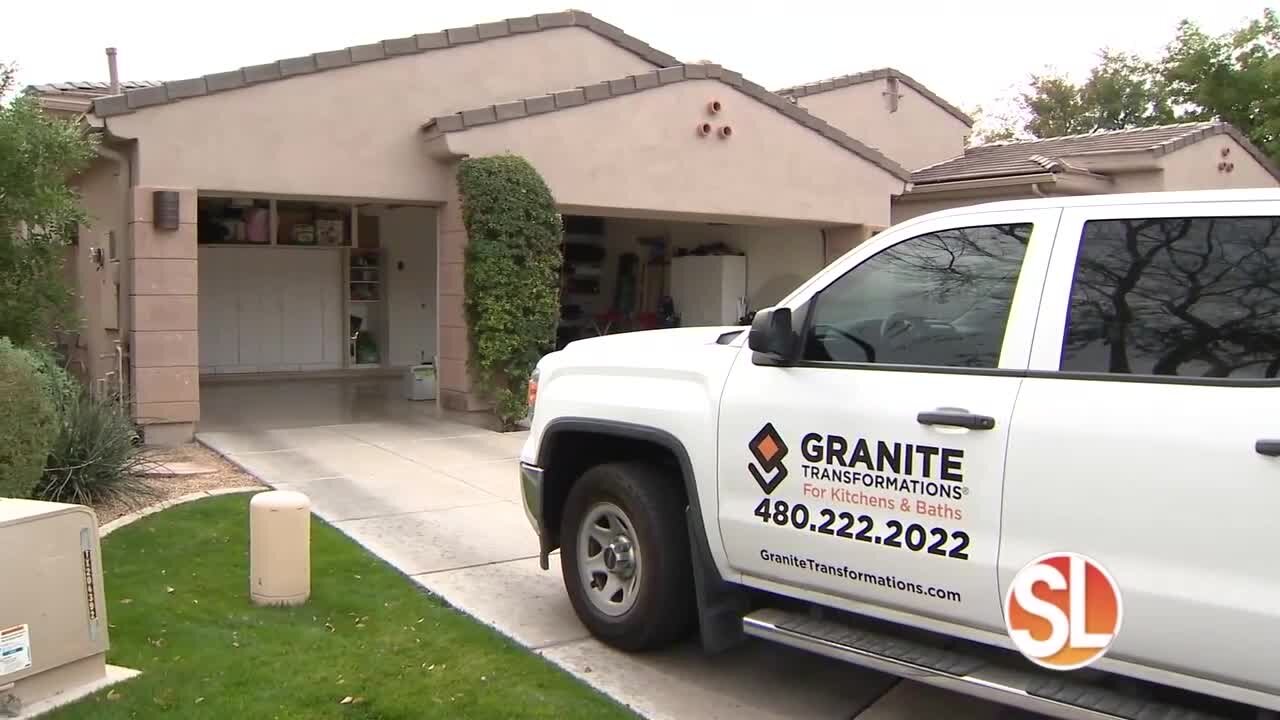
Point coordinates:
[(779, 258)]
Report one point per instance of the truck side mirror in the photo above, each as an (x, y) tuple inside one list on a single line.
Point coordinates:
[(772, 335)]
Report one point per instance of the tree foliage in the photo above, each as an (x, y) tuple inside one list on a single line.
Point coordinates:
[(993, 124), (38, 211), (1121, 91), (1233, 77), (512, 275)]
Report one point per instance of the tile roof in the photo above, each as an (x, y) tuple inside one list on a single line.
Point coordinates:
[(605, 90), (149, 94), (822, 86), (1037, 156), (89, 88)]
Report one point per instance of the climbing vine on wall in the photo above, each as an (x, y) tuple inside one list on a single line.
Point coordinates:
[(512, 275)]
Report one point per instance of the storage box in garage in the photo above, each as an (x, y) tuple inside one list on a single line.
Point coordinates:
[(53, 615), (420, 382)]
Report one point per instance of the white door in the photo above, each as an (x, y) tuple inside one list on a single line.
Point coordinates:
[(871, 472), (1136, 443), (408, 238)]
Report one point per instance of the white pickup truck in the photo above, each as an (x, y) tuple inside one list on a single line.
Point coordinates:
[(864, 472)]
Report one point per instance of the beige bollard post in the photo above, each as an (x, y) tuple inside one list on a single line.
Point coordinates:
[(279, 548)]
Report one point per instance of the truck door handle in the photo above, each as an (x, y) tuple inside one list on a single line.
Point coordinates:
[(956, 418), (1270, 448)]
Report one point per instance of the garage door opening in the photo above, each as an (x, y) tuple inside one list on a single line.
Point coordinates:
[(303, 287), (624, 274)]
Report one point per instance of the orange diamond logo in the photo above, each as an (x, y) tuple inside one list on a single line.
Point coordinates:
[(767, 448)]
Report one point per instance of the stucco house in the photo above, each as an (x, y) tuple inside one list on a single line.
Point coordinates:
[(1186, 156), (890, 111), (300, 218)]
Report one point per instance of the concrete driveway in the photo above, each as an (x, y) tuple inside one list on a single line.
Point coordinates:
[(438, 497)]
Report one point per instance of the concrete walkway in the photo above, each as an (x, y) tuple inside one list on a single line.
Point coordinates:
[(439, 500)]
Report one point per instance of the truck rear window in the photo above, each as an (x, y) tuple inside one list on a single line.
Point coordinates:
[(1196, 297)]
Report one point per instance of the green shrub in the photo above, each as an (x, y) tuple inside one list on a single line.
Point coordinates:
[(512, 275), (95, 456), (60, 385), (28, 421)]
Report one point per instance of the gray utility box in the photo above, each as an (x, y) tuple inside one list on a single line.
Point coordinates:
[(53, 614)]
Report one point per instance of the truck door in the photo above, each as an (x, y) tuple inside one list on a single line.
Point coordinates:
[(1146, 435), (870, 471)]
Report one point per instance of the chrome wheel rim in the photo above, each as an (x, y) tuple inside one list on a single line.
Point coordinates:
[(609, 561)]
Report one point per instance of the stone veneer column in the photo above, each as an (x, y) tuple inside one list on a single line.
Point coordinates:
[(162, 320), (453, 374)]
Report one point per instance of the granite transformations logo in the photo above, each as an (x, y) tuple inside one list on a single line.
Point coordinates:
[(769, 450)]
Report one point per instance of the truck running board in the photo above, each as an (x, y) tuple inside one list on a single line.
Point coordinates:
[(1038, 691)]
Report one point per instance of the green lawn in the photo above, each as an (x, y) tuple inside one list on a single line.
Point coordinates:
[(177, 587)]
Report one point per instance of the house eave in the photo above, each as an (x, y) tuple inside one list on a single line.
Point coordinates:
[(1073, 183), (986, 183), (1115, 160)]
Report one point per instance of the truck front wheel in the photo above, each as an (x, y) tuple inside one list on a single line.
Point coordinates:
[(625, 556)]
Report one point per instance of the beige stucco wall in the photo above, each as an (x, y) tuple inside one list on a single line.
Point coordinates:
[(920, 133), (96, 298), (1195, 167), (355, 131), (1139, 181), (641, 152)]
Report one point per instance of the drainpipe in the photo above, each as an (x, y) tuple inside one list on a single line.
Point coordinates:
[(113, 74), (1035, 190)]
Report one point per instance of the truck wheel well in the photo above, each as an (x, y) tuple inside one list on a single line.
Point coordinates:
[(573, 452)]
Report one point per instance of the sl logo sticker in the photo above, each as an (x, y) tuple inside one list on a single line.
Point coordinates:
[(1063, 610), (769, 450)]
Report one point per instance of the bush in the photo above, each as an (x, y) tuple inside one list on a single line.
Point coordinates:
[(59, 384), (28, 421), (95, 457), (512, 275)]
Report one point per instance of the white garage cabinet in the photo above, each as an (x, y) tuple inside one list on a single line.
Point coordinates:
[(266, 309), (709, 289)]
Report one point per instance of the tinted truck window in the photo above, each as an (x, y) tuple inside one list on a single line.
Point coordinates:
[(940, 299), (1196, 297)]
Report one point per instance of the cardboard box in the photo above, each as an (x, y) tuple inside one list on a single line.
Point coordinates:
[(329, 232)]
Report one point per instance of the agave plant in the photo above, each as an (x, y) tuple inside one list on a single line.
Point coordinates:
[(97, 457)]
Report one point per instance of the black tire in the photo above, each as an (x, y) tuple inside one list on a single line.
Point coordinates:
[(665, 607)]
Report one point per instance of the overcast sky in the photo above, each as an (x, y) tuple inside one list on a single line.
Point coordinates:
[(969, 52)]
